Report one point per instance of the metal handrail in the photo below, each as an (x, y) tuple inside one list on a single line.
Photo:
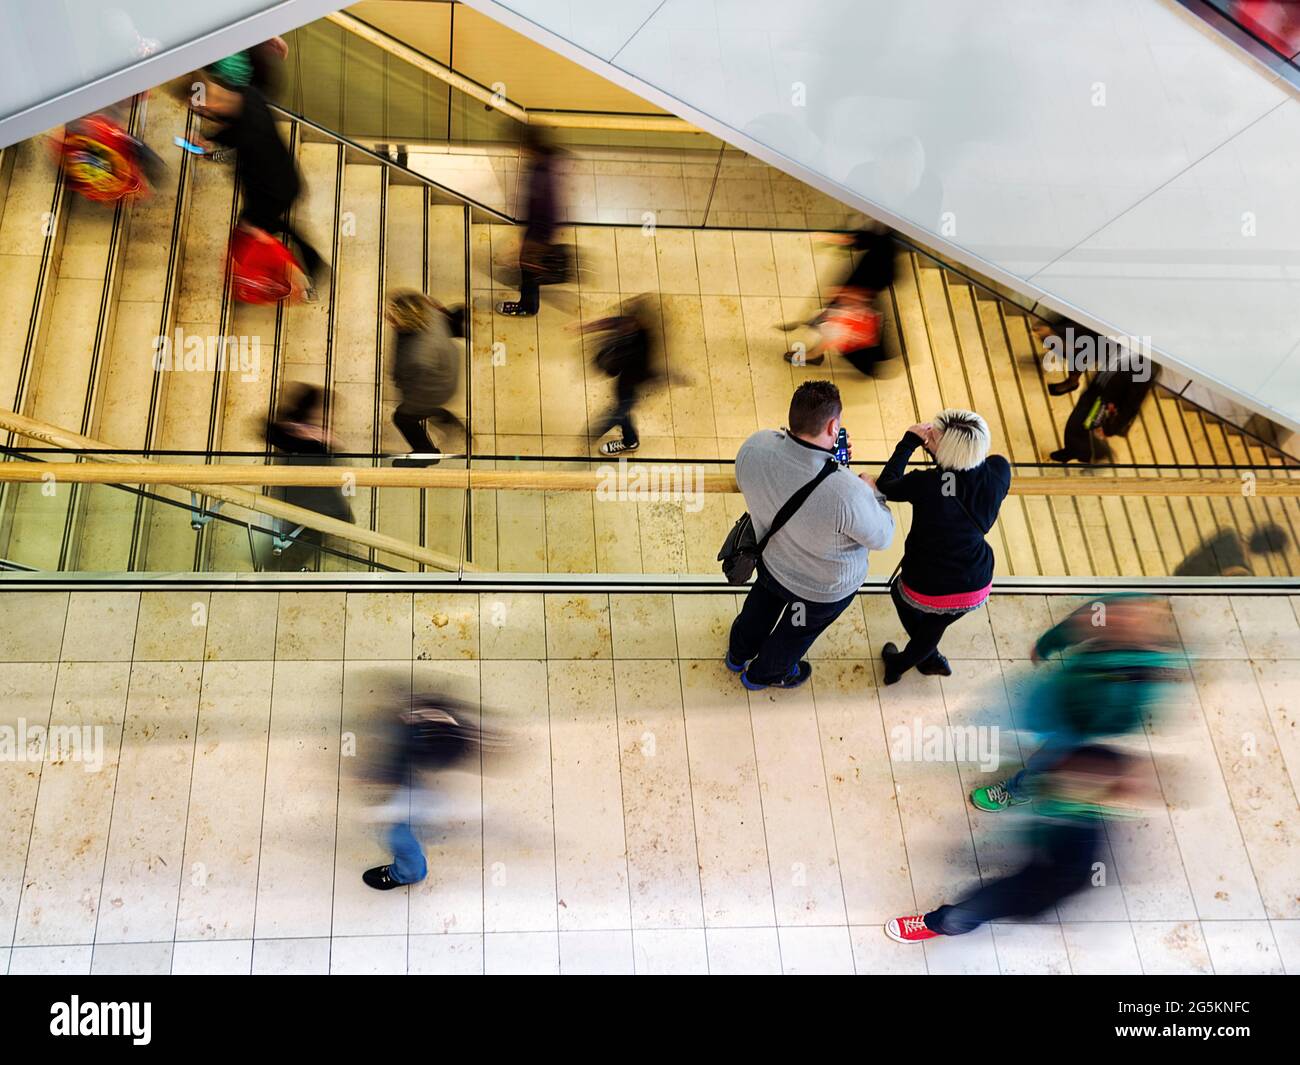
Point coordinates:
[(347, 142)]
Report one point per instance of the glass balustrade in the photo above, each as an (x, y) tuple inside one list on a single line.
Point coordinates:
[(661, 520)]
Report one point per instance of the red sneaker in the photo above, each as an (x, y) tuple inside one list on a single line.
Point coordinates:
[(909, 929)]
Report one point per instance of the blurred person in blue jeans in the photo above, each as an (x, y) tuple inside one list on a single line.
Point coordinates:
[(434, 733), (1119, 655)]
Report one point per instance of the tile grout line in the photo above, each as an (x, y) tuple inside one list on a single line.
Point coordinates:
[(40, 776), (108, 834), (1218, 765), (266, 776), (338, 778), (762, 815), (830, 813), (622, 797), (690, 790), (189, 799)]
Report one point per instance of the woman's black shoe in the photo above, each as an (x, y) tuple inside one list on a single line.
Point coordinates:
[(889, 651), (1063, 388), (935, 666)]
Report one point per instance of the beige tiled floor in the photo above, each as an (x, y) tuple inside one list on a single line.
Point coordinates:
[(653, 816)]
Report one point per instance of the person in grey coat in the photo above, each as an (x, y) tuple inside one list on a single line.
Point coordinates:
[(426, 369)]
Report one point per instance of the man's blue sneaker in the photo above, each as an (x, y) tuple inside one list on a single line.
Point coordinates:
[(798, 675), (735, 667)]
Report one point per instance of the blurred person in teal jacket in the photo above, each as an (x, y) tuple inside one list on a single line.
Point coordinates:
[(1119, 655)]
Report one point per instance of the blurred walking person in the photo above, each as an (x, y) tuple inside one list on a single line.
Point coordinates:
[(627, 353), (947, 567), (103, 161), (267, 60), (1072, 802), (852, 323), (426, 370), (266, 169), (1057, 337), (435, 733), (1119, 655), (541, 260), (1108, 407), (299, 434)]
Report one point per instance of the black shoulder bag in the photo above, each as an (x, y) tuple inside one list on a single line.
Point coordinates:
[(741, 550)]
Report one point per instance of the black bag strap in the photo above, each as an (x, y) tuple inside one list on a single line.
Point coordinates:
[(968, 514), (795, 502)]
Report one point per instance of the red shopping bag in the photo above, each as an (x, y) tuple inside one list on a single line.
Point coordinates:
[(262, 269), (851, 328)]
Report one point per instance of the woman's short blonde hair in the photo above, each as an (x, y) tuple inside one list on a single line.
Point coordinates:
[(409, 311), (961, 439)]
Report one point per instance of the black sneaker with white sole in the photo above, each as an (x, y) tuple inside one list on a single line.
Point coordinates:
[(618, 447), (418, 460), (380, 878)]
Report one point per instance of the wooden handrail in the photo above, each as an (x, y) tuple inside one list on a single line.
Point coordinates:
[(221, 481), (471, 88), (679, 480), (196, 478)]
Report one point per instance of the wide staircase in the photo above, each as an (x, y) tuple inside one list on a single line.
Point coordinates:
[(89, 291), (92, 290)]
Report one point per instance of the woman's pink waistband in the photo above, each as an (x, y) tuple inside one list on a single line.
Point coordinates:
[(959, 601)]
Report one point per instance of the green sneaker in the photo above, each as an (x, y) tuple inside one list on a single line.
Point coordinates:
[(995, 797)]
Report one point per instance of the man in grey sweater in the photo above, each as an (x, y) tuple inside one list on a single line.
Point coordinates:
[(814, 564)]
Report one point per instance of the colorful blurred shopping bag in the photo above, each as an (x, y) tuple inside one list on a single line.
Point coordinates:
[(101, 160)]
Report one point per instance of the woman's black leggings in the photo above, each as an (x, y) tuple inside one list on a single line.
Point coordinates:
[(924, 631), (411, 426)]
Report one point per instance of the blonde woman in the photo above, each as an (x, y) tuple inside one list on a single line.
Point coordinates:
[(947, 566), (426, 369)]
